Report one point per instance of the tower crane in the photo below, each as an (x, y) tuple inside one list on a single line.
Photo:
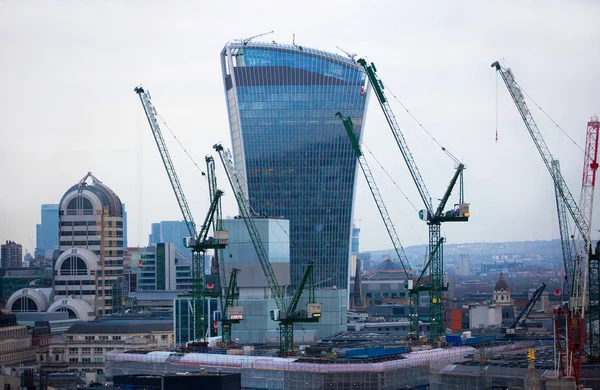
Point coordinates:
[(232, 314), (433, 216), (199, 242), (364, 166), (570, 357), (285, 314)]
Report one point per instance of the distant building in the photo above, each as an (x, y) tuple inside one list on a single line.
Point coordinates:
[(90, 265), (161, 267), (173, 232), (11, 254), (502, 292), (46, 232), (463, 265), (15, 342)]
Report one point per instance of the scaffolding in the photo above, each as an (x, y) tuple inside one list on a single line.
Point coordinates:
[(268, 372)]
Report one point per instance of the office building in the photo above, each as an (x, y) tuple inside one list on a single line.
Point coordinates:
[(11, 254), (173, 232), (161, 267), (463, 265), (46, 232), (91, 244), (292, 152)]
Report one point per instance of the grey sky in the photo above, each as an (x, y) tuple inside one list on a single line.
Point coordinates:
[(68, 69)]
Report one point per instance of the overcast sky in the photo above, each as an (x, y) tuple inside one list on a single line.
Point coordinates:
[(67, 105)]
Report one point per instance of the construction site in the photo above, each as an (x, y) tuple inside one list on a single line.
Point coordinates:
[(422, 354)]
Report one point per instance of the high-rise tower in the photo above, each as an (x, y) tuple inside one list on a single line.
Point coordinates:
[(91, 244), (47, 230), (292, 151)]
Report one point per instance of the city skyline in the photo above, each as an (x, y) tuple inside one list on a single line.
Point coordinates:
[(439, 70)]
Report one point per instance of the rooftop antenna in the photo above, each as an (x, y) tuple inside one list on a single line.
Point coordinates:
[(294, 39), (246, 40), (351, 56)]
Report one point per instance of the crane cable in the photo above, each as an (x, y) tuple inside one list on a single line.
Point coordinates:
[(542, 110), (177, 139), (388, 175), (423, 127), (552, 120)]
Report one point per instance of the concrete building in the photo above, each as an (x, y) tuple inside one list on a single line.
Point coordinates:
[(162, 268), (14, 279), (85, 344), (291, 151), (463, 265), (11, 255), (499, 312), (15, 343), (46, 232), (240, 253), (91, 245), (171, 232)]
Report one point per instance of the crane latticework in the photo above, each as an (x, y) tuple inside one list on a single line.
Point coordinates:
[(590, 166), (166, 159), (244, 208), (563, 225)]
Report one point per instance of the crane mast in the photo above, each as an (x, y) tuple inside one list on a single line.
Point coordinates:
[(377, 85), (588, 184), (538, 140), (219, 266), (166, 159), (285, 314), (348, 125), (585, 266), (564, 234), (198, 242), (434, 218), (242, 201)]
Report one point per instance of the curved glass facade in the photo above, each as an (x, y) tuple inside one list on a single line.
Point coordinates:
[(293, 151)]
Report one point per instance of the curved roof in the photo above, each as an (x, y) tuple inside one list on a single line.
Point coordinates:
[(501, 284), (41, 297), (107, 196), (295, 48), (90, 258), (82, 309)]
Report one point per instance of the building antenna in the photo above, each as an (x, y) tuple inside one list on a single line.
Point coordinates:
[(246, 40), (350, 55), (294, 39)]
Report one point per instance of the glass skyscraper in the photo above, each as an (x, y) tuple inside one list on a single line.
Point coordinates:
[(171, 231), (291, 149), (46, 233)]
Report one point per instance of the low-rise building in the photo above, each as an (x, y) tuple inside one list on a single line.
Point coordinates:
[(85, 344), (15, 342)]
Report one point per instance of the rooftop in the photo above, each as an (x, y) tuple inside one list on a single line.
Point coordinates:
[(120, 327)]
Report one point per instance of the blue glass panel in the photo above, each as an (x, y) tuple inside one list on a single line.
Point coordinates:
[(298, 159)]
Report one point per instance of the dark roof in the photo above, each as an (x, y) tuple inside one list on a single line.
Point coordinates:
[(389, 265), (120, 326), (501, 284)]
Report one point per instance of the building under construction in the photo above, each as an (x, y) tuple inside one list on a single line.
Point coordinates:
[(368, 368)]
